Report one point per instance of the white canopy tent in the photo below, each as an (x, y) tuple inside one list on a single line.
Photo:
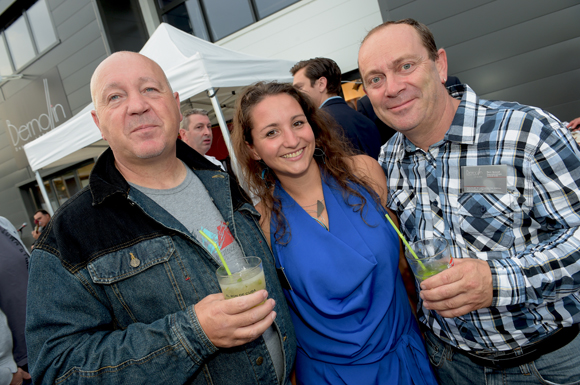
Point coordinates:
[(197, 69)]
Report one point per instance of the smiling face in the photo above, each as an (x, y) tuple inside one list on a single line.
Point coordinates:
[(199, 134), (282, 136), (136, 110), (402, 83)]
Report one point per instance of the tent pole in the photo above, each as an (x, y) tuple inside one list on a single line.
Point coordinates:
[(44, 193), (225, 132)]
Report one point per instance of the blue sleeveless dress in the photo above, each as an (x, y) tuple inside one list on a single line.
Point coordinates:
[(348, 302)]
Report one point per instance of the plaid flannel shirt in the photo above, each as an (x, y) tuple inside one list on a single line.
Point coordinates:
[(529, 236)]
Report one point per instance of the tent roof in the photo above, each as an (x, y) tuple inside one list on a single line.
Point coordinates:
[(192, 66)]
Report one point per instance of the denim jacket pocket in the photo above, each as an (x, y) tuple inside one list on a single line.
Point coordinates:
[(143, 273), (130, 261)]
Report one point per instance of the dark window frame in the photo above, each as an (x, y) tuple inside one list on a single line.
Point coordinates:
[(164, 9), (17, 11)]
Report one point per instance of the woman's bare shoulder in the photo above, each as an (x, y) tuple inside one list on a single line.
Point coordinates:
[(365, 166)]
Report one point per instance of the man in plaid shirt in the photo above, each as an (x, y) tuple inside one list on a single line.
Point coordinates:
[(500, 181)]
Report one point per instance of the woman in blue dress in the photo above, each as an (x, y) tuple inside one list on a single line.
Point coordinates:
[(323, 213)]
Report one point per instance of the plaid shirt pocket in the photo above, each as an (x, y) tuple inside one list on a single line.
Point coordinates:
[(486, 221)]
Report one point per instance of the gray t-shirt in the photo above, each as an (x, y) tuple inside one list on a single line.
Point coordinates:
[(191, 204)]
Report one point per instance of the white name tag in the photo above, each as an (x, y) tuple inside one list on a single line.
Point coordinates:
[(484, 179)]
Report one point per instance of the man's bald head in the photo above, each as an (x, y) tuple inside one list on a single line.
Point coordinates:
[(135, 108), (109, 64)]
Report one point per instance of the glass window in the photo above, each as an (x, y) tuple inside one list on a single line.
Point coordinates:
[(60, 190), (40, 199), (41, 26), (267, 7), (215, 19), (5, 68), (196, 17), (225, 17), (179, 18), (84, 173), (72, 187), (20, 43)]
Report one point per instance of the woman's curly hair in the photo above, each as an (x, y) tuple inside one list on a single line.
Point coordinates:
[(331, 160)]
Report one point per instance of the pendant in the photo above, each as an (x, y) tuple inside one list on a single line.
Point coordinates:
[(319, 208)]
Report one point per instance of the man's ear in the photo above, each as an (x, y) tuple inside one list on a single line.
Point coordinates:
[(321, 84), (97, 123), (441, 64), (176, 97), (253, 152)]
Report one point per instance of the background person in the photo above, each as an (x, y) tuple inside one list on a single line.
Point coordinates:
[(195, 130), (10, 373), (323, 216), (13, 286), (574, 124), (41, 218), (138, 300), (500, 181), (320, 79)]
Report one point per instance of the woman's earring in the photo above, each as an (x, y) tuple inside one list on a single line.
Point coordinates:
[(264, 173)]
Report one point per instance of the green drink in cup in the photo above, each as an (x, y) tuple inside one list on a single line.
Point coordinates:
[(432, 257), (246, 276)]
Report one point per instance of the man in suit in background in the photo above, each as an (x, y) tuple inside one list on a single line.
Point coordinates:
[(319, 78)]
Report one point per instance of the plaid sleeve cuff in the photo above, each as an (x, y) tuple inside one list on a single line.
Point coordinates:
[(508, 282)]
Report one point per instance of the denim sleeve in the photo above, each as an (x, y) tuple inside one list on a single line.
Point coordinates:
[(72, 337), (549, 268)]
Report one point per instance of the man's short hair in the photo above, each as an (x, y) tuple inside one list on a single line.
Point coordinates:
[(319, 67), (424, 33), (42, 211), (188, 113)]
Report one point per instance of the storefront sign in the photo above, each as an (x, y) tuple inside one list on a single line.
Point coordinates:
[(32, 112)]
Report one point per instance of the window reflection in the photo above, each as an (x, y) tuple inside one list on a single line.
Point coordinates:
[(41, 26), (19, 43), (213, 20), (227, 16), (267, 7), (5, 68), (84, 173)]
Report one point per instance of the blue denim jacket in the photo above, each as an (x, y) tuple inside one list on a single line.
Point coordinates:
[(93, 317)]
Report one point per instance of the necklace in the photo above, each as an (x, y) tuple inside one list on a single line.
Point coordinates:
[(319, 210)]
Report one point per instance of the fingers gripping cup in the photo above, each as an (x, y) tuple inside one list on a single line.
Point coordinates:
[(246, 277), (432, 257)]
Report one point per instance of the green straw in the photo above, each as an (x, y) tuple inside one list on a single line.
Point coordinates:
[(403, 239), (218, 251)]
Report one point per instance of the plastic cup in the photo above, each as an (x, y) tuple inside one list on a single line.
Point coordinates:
[(247, 277), (434, 256)]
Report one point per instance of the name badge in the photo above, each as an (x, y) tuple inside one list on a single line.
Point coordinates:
[(484, 179)]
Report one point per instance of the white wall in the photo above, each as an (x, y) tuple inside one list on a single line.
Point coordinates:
[(308, 29)]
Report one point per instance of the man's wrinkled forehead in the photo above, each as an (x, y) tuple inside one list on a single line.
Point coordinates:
[(121, 67)]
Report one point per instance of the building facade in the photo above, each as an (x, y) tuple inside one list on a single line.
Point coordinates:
[(524, 50)]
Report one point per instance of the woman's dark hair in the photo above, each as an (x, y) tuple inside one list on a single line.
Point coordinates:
[(333, 146)]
